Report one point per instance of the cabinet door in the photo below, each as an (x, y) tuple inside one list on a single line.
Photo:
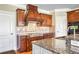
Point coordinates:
[(73, 16), (36, 49), (45, 51), (69, 17), (29, 45), (20, 17), (76, 16), (23, 45), (46, 20), (31, 16), (37, 15), (49, 20)]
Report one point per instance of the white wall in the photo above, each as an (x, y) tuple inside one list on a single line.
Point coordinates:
[(10, 7), (60, 22)]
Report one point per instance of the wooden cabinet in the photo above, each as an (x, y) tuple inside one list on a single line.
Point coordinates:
[(73, 16), (20, 15), (32, 7), (47, 20), (38, 17), (30, 16), (43, 19), (48, 35), (23, 44), (26, 41), (33, 16), (29, 45)]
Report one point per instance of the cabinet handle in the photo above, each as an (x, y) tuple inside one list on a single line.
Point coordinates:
[(11, 33)]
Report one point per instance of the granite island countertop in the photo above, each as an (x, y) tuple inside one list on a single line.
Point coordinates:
[(71, 37), (57, 46)]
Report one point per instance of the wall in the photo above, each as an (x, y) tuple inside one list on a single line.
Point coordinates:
[(10, 8), (60, 22)]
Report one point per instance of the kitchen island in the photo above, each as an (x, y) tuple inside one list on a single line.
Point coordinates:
[(73, 42), (52, 46)]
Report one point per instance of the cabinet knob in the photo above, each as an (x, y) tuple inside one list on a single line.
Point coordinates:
[(11, 33)]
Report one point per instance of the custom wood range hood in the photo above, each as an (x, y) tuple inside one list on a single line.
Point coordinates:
[(33, 14)]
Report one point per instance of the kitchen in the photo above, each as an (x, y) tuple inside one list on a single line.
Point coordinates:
[(34, 30)]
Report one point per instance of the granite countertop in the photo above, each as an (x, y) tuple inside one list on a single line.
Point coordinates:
[(71, 37), (57, 46)]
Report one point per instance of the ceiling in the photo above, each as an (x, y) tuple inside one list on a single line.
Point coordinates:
[(57, 6)]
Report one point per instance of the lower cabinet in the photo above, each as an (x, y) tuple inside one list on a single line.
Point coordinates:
[(24, 44), (36, 49), (39, 50), (45, 51), (29, 45)]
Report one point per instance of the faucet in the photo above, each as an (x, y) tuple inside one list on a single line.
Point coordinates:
[(74, 31)]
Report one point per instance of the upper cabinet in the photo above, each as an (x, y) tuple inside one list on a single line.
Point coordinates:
[(46, 20), (32, 8), (73, 16), (49, 20), (20, 17), (34, 15)]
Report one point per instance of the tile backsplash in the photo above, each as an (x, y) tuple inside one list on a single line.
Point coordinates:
[(33, 29)]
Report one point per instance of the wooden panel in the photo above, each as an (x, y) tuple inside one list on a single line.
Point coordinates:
[(33, 16), (29, 45), (23, 44), (48, 35), (73, 16), (31, 7), (43, 17), (38, 17), (20, 17), (47, 20)]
